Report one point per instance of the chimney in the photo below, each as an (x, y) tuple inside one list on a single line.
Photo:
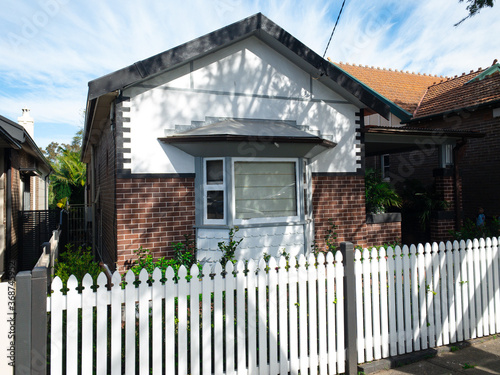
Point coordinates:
[(27, 122)]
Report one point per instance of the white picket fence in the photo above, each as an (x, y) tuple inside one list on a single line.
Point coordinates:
[(269, 318), (425, 296), (276, 318)]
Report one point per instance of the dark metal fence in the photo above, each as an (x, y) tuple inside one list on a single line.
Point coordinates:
[(76, 227), (35, 228)]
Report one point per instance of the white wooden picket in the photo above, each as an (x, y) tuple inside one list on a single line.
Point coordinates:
[(437, 294), (271, 318), (283, 316)]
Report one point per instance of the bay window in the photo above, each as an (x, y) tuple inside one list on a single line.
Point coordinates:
[(253, 190)]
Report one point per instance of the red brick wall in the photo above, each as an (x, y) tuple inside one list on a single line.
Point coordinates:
[(342, 198), (379, 234), (152, 213), (16, 204), (440, 229), (105, 174)]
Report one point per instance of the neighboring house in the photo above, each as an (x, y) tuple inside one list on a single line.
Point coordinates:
[(24, 175), (463, 104), (245, 126)]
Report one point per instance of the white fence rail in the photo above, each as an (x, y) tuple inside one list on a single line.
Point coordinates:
[(256, 318), (426, 296)]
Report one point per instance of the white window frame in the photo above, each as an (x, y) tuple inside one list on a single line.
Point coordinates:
[(383, 167), (446, 155), (298, 186), (220, 187)]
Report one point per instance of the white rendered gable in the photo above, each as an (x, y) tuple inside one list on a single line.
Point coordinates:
[(245, 80)]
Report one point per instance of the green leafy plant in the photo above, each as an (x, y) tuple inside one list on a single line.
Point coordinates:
[(467, 366), (330, 240), (470, 230), (184, 255), (76, 262), (379, 194), (229, 249)]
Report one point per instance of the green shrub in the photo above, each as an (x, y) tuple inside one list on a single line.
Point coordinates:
[(330, 240), (184, 255), (470, 230), (76, 262), (229, 249)]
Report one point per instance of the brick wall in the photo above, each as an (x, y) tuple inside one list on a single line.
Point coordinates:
[(379, 234), (152, 213), (16, 204), (342, 198), (105, 176)]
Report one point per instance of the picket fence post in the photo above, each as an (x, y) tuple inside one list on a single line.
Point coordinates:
[(347, 250), (31, 322), (23, 322)]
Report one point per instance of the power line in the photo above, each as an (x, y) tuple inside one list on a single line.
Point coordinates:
[(334, 27)]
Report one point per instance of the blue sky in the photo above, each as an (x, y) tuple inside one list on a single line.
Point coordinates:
[(50, 49)]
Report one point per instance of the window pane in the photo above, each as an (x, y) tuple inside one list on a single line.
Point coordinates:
[(215, 204), (215, 172), (265, 189)]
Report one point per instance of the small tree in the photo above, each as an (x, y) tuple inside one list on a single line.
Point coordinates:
[(68, 179)]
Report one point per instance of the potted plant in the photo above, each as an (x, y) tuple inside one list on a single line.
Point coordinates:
[(380, 196)]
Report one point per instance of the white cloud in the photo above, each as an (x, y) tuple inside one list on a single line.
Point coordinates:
[(51, 48)]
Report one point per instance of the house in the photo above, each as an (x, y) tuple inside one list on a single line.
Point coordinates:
[(245, 126), (24, 175), (465, 172)]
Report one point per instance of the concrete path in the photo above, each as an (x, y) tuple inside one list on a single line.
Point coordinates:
[(480, 356)]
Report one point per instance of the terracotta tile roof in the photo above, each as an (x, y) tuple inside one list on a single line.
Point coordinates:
[(404, 89), (457, 93)]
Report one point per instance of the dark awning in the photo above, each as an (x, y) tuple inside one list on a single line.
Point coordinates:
[(386, 140), (249, 138)]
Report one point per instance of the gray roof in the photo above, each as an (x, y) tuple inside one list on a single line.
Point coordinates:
[(13, 135), (234, 137), (249, 128)]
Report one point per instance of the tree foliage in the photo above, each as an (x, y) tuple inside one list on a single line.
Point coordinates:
[(474, 7), (69, 176)]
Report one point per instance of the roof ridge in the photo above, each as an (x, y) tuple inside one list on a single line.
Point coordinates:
[(448, 79), (391, 70)]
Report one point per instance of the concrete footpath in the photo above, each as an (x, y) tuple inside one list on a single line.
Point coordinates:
[(479, 356)]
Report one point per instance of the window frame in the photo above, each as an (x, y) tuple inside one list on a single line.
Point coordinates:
[(278, 219), (214, 187), (385, 168)]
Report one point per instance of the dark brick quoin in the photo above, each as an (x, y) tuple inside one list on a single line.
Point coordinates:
[(152, 213), (342, 199)]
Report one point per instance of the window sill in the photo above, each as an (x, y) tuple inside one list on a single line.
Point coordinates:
[(255, 225)]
